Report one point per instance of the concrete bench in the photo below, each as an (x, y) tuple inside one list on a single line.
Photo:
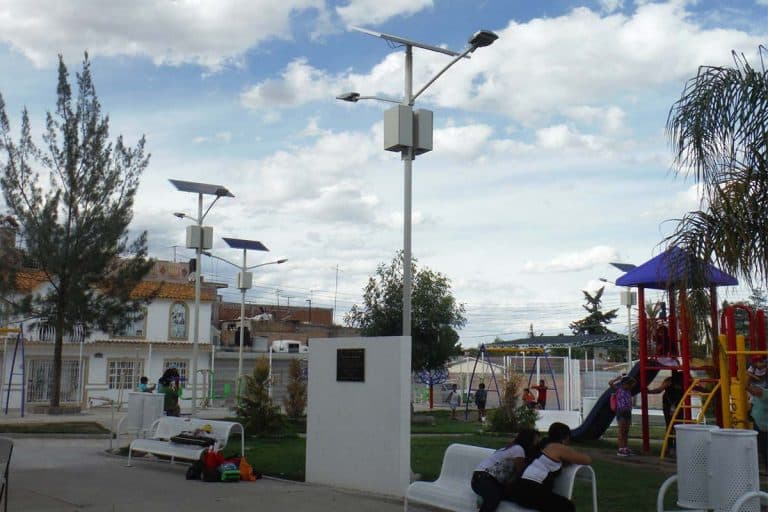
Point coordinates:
[(166, 427), (453, 491)]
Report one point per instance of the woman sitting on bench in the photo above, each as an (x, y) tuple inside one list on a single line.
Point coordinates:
[(534, 488), (493, 476)]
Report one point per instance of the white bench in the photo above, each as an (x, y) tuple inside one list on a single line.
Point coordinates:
[(168, 426), (453, 491)]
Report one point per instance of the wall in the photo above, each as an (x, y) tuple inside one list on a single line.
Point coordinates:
[(358, 433)]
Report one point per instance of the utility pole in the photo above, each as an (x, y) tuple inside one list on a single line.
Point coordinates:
[(335, 292)]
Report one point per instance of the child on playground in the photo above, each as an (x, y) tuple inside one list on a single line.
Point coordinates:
[(541, 398), (757, 370), (454, 400), (528, 399), (622, 387), (144, 386), (481, 396)]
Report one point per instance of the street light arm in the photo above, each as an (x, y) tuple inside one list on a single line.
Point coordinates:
[(456, 59), (221, 259), (276, 262), (202, 218)]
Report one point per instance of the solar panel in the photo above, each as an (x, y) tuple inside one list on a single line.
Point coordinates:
[(251, 245), (407, 42), (624, 267), (201, 188)]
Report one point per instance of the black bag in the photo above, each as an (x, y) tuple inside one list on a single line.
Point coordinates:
[(195, 471), (189, 438)]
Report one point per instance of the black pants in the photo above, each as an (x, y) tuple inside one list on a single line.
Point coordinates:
[(487, 488), (534, 495)]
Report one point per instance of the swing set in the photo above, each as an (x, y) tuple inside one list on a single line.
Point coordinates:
[(484, 352)]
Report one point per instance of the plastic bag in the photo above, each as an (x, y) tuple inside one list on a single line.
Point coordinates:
[(246, 471)]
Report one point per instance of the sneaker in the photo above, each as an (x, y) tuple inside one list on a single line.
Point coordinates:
[(622, 453)]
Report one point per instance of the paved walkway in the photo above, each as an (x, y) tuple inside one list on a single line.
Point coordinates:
[(69, 475)]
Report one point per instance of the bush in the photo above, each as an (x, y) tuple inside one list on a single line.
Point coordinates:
[(256, 409), (296, 400), (510, 417)]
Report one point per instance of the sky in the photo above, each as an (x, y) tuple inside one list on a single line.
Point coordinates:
[(550, 156)]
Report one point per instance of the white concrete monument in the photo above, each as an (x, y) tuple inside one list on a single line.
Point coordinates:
[(358, 414)]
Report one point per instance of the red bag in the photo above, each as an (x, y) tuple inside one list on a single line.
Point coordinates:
[(212, 460)]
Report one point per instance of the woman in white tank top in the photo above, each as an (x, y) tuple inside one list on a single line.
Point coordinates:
[(534, 488)]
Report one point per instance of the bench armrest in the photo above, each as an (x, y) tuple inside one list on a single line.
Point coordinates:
[(563, 485)]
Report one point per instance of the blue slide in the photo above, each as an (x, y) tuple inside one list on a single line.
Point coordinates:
[(601, 415)]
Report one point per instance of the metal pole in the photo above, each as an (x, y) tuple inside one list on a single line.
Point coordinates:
[(80, 373), (269, 375), (196, 324), (407, 176), (242, 328), (629, 337)]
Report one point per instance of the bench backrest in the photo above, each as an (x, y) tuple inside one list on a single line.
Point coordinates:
[(460, 461), (169, 426)]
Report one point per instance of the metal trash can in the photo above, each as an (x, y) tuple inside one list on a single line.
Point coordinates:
[(693, 456), (736, 472)]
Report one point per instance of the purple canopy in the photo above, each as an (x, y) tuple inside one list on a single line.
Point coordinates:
[(672, 267)]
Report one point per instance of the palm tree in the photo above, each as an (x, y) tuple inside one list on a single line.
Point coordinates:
[(719, 135)]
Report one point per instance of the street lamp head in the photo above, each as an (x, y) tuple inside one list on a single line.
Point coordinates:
[(180, 215), (280, 262), (482, 38), (349, 96)]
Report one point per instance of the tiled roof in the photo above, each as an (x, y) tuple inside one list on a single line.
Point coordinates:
[(173, 291), (28, 280)]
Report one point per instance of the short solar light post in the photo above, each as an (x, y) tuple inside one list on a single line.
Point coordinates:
[(628, 298), (409, 132), (244, 283), (199, 238)]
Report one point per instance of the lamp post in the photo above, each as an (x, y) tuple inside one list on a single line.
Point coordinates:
[(199, 237), (410, 134), (244, 283), (309, 310), (627, 298)]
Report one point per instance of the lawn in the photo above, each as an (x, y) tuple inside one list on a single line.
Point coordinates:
[(621, 484), (68, 427)]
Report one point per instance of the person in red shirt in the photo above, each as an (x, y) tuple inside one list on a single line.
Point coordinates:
[(541, 397)]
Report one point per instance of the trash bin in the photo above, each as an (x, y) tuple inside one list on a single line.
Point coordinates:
[(693, 456), (736, 472)]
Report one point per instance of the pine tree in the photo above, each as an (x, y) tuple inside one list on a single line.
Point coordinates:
[(256, 409), (595, 322), (73, 201), (296, 400)]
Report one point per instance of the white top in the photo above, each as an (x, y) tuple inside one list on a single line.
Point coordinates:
[(540, 468), (501, 463), (453, 399)]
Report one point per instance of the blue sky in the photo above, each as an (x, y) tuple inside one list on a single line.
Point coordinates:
[(550, 158)]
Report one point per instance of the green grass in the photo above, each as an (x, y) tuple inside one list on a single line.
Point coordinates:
[(445, 425), (283, 457), (69, 427)]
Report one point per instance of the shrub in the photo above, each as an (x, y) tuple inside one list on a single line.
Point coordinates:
[(296, 400), (256, 409), (509, 417)]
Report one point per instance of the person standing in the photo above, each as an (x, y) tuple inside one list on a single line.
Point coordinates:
[(454, 400), (541, 394), (169, 387), (528, 399), (622, 387), (481, 395), (534, 487), (759, 413), (493, 477), (673, 390)]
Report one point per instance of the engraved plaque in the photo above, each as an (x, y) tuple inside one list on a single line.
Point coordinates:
[(350, 365)]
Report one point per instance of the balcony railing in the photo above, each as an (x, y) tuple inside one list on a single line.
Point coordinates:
[(47, 333)]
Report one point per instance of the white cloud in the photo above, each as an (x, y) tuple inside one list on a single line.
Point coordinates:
[(573, 261), (462, 141), (611, 5), (362, 12), (561, 137), (220, 137), (541, 69), (211, 33)]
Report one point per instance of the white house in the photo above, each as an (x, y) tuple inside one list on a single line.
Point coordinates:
[(112, 363)]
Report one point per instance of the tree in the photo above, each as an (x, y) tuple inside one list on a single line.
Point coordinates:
[(74, 221), (719, 134), (435, 313), (296, 400), (256, 409), (596, 320)]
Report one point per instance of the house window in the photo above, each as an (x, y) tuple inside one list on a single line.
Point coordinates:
[(177, 326), (136, 326), (180, 364), (124, 373)]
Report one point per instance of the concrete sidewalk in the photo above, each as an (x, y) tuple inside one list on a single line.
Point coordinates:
[(68, 475)]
